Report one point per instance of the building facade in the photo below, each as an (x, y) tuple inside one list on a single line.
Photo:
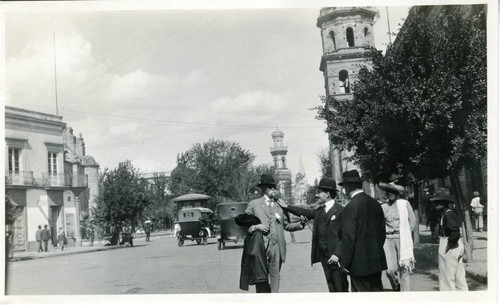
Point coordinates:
[(283, 174), (347, 37), (41, 181)]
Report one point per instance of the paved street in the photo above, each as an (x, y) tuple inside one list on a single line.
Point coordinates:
[(161, 267)]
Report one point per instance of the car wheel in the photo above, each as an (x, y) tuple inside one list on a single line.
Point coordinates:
[(180, 242), (204, 240)]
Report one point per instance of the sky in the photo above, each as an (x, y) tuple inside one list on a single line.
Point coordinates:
[(147, 85)]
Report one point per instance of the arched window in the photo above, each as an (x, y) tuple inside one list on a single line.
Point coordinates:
[(344, 86), (283, 159), (350, 37), (365, 31), (332, 36)]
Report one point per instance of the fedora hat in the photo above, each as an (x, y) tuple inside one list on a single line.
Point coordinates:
[(327, 184), (392, 187), (351, 176), (266, 180), (442, 195)]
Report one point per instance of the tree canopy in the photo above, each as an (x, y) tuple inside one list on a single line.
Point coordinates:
[(420, 111)]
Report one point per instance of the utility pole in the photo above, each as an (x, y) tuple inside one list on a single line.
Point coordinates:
[(388, 25), (55, 73)]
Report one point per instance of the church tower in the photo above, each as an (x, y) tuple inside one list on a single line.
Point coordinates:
[(284, 175), (347, 36)]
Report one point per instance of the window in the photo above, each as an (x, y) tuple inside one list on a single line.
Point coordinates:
[(52, 162), (344, 82), (350, 37), (365, 31), (332, 36), (14, 154)]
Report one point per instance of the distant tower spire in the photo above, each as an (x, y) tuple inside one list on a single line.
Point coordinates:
[(301, 165), (283, 174)]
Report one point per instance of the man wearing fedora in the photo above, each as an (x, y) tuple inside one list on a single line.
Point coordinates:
[(398, 246), (451, 248), (325, 233), (361, 247), (273, 223)]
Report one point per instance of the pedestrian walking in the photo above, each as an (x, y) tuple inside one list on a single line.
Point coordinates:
[(91, 234), (478, 211), (273, 223), (61, 238), (38, 236), (177, 228), (398, 246), (147, 229), (361, 250), (45, 234), (325, 233), (451, 248)]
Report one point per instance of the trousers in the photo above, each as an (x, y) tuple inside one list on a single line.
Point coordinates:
[(398, 277), (273, 267), (371, 282), (40, 248), (335, 278), (478, 217), (451, 267)]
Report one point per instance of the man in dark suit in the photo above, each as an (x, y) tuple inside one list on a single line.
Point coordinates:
[(45, 235), (325, 235), (273, 223), (361, 249)]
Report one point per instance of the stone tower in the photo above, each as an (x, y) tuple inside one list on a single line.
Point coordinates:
[(347, 36), (284, 175)]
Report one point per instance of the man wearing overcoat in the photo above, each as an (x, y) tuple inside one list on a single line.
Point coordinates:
[(273, 223), (361, 249), (326, 233)]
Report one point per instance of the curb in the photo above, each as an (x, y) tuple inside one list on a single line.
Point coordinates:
[(422, 253), (32, 257)]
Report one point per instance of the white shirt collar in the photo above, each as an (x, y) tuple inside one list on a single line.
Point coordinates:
[(355, 192), (329, 204)]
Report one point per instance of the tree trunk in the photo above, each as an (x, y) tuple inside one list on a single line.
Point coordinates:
[(464, 211), (417, 197)]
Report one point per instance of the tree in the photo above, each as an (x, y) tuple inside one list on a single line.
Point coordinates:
[(420, 111), (160, 210), (121, 201), (12, 212), (212, 168), (325, 162)]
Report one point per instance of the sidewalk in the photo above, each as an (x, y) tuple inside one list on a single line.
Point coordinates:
[(85, 248), (477, 270)]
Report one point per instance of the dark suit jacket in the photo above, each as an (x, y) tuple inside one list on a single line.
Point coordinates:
[(332, 226), (361, 249), (259, 208)]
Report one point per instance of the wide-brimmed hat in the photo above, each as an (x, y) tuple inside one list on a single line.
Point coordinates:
[(442, 195), (327, 184), (351, 176), (392, 187), (266, 180)]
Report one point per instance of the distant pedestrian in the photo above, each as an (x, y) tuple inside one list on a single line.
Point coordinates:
[(61, 238), (451, 248), (38, 236), (45, 234), (147, 229), (361, 249), (398, 246), (177, 228), (478, 211), (91, 234)]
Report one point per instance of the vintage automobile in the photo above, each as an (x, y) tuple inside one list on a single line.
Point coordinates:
[(229, 230), (196, 224)]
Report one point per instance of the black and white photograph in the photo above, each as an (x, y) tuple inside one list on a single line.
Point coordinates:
[(196, 152)]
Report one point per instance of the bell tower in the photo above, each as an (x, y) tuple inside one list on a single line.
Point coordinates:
[(284, 175), (347, 37)]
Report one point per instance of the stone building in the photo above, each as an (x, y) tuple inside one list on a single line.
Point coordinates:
[(283, 174), (45, 184), (347, 36)]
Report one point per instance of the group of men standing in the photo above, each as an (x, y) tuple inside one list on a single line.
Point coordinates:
[(42, 236), (346, 240)]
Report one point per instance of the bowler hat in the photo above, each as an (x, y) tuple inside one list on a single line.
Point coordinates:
[(266, 180), (327, 184), (351, 176), (392, 187), (442, 194)]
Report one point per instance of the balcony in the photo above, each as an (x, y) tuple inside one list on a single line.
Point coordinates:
[(56, 179), (19, 178)]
